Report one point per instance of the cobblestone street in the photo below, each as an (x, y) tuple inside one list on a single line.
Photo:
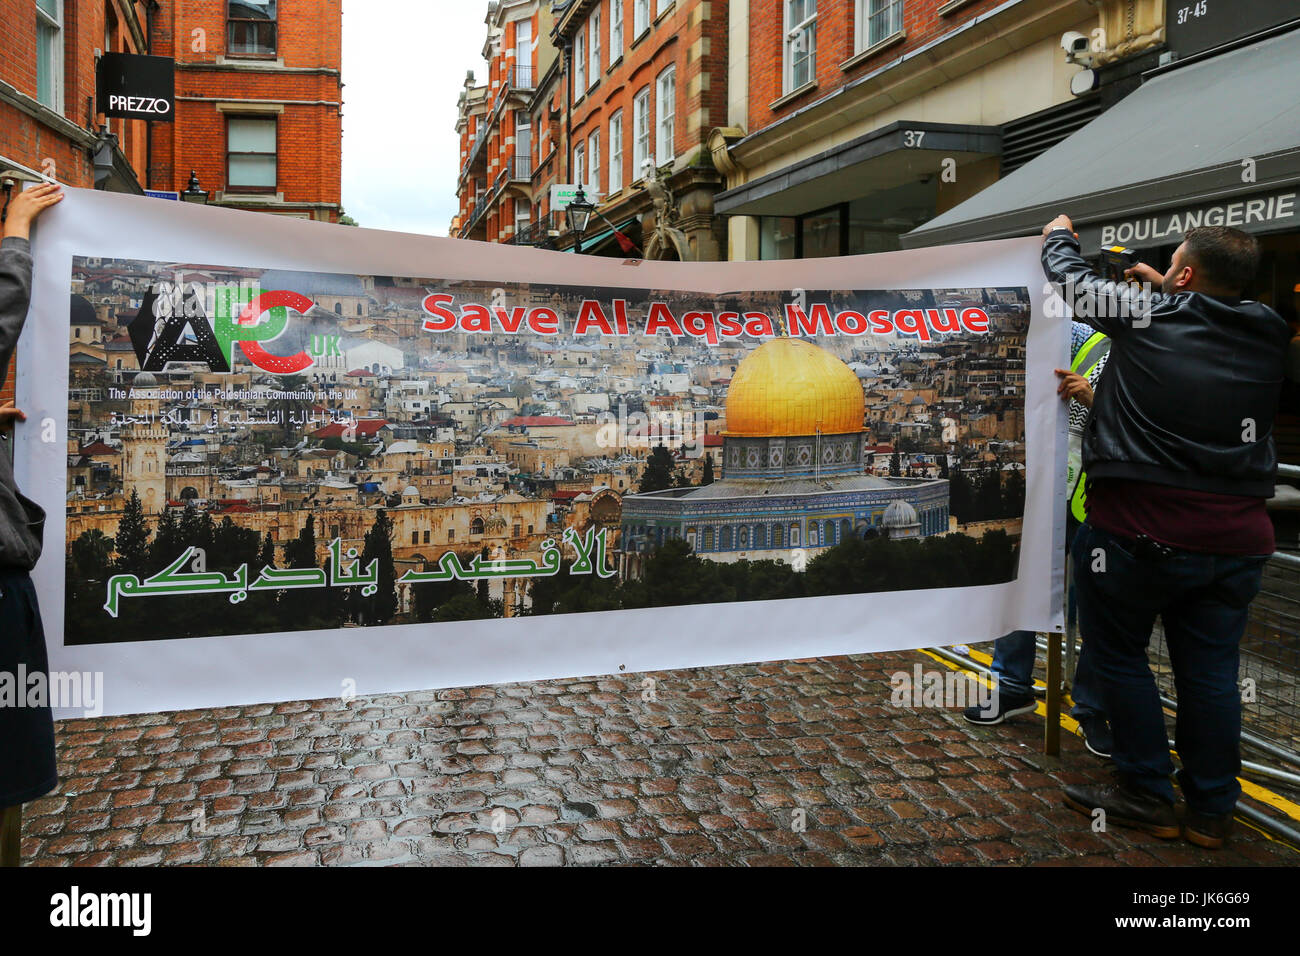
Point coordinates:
[(584, 771)]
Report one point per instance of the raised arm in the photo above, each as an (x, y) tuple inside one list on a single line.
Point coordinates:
[(1109, 307), (16, 264)]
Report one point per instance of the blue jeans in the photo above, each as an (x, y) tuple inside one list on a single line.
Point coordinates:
[(1013, 662), (1203, 601)]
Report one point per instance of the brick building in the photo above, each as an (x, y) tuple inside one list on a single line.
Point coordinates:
[(496, 125), (48, 124), (258, 104), (250, 80), (634, 82), (851, 122)]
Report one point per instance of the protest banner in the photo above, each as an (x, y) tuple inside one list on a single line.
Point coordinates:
[(293, 460)]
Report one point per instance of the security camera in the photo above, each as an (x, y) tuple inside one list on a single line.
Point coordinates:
[(1074, 43)]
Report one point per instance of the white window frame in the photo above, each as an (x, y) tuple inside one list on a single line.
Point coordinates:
[(579, 63), (804, 32), (524, 50), (661, 6), (615, 152), (593, 45), (580, 165), (891, 12), (640, 131), (666, 115), (615, 29), (58, 48), (640, 17), (593, 163)]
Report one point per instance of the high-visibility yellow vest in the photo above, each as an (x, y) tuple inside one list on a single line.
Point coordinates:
[(1089, 354)]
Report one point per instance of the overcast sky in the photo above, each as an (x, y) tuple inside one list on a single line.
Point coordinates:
[(404, 64)]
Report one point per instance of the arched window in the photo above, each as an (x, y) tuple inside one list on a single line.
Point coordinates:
[(726, 539), (794, 535), (338, 308), (846, 530), (812, 535), (778, 536), (358, 308), (476, 526), (708, 539)]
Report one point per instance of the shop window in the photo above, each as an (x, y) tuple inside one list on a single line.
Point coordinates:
[(777, 237)]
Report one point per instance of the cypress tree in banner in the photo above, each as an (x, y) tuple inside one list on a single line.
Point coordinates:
[(266, 557), (132, 539), (895, 465), (658, 473), (707, 478), (381, 607), (296, 607), (167, 546), (989, 496)]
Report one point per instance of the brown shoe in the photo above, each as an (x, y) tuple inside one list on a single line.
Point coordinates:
[(1125, 807), (1206, 830)]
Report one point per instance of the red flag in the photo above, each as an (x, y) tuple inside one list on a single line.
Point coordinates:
[(626, 244)]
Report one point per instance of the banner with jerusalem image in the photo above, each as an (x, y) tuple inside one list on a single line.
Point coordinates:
[(296, 460)]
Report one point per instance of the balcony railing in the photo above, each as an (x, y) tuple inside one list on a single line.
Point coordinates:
[(525, 234), (521, 77), (523, 167)]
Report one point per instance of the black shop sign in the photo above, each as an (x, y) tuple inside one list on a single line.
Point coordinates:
[(137, 87)]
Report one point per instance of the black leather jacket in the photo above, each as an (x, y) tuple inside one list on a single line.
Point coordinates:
[(1191, 387)]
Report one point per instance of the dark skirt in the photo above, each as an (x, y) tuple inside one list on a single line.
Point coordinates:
[(27, 762)]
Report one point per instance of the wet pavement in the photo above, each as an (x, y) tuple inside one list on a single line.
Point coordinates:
[(791, 763)]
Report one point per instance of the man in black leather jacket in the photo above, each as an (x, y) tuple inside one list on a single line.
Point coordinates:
[(1180, 457)]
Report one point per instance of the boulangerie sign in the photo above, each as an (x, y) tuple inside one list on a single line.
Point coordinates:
[(295, 460)]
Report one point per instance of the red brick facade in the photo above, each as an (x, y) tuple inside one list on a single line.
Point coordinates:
[(56, 141), (838, 57), (570, 106), (54, 130), (300, 86), (498, 156)]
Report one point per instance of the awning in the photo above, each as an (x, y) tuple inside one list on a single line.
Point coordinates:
[(882, 159), (1211, 142), (591, 243)]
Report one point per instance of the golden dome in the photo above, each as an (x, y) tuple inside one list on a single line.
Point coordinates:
[(791, 387)]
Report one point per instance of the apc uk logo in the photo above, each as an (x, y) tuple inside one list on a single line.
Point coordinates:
[(194, 323)]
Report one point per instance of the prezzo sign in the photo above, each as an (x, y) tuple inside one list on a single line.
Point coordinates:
[(137, 87), (1252, 214)]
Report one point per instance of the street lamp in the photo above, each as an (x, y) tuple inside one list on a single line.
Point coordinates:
[(193, 191), (578, 212)]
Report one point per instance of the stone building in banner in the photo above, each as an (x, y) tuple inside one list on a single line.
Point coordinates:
[(795, 456)]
